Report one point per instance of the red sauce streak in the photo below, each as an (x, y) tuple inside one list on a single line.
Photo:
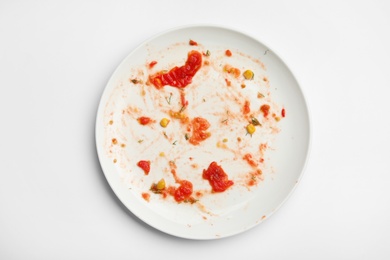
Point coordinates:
[(246, 109), (144, 165), (179, 77), (183, 100), (217, 178), (151, 65), (283, 112), (184, 191), (199, 127), (251, 162), (265, 110), (144, 120), (228, 53), (193, 43)]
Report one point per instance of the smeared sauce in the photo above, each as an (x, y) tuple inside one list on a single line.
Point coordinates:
[(179, 77), (184, 191), (199, 128), (217, 178), (213, 119)]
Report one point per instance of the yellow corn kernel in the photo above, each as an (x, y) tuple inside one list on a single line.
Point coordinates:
[(248, 74), (164, 122), (250, 129), (162, 154), (161, 184)]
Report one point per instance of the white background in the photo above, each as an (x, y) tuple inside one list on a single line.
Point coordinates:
[(55, 60)]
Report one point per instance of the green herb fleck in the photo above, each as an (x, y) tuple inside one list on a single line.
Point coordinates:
[(182, 109), (168, 99), (255, 122)]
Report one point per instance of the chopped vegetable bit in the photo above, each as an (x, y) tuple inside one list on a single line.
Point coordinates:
[(135, 81), (217, 178), (161, 184), (250, 129), (144, 120), (184, 191), (208, 53), (228, 53), (146, 196), (283, 112), (248, 74), (151, 65), (164, 122), (145, 166), (193, 43), (255, 122)]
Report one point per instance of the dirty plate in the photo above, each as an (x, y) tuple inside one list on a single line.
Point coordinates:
[(226, 144)]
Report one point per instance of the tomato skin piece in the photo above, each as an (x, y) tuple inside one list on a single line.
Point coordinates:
[(143, 120), (283, 112), (145, 166), (184, 191), (193, 43), (179, 77), (217, 178), (151, 65)]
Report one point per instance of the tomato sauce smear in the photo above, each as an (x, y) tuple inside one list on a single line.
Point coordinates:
[(217, 178), (179, 77), (184, 191), (145, 166), (265, 109), (199, 128)]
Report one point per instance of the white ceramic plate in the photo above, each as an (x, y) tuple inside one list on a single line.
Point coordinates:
[(279, 146)]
